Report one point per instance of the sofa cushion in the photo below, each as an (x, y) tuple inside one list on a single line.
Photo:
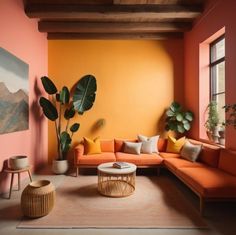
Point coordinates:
[(169, 155), (133, 148), (96, 159), (107, 146), (146, 146), (174, 145), (175, 163), (162, 144), (190, 151), (119, 144), (139, 160), (92, 146), (209, 154), (227, 161), (210, 182), (153, 139)]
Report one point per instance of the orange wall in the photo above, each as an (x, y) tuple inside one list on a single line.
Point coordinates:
[(19, 36), (219, 14), (136, 81)]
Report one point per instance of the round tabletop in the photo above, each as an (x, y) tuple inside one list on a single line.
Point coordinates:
[(9, 170), (109, 169)]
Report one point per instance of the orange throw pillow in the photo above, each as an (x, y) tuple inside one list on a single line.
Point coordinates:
[(92, 146), (174, 145)]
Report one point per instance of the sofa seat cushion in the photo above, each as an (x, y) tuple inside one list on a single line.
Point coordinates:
[(96, 159), (169, 155), (175, 163), (139, 160), (210, 182)]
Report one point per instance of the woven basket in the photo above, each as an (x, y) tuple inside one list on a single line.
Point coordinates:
[(38, 198)]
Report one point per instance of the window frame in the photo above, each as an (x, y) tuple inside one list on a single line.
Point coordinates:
[(212, 64)]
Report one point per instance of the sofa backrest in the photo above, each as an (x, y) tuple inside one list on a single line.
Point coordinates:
[(107, 146), (161, 145), (209, 155), (227, 161)]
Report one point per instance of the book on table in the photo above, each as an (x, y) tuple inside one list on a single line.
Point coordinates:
[(121, 165)]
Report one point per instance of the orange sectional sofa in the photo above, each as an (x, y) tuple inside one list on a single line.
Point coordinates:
[(212, 177)]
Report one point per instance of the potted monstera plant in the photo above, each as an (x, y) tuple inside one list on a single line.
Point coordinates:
[(65, 104), (177, 119)]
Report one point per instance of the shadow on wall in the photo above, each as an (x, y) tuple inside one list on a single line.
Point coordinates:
[(175, 50), (38, 117)]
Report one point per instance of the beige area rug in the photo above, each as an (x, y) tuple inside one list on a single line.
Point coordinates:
[(156, 203)]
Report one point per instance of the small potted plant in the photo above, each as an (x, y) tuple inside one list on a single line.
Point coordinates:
[(222, 134), (178, 120), (212, 122), (64, 104)]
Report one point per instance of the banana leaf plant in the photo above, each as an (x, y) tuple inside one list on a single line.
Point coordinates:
[(178, 120), (64, 104)]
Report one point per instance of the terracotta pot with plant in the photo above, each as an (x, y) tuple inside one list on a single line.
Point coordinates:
[(212, 122), (64, 104)]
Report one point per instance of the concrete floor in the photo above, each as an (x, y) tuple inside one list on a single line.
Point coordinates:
[(221, 217)]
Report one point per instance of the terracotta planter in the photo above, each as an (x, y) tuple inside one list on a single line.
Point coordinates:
[(38, 198), (18, 162), (60, 166)]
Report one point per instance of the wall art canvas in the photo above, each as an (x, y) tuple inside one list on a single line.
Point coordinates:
[(14, 93)]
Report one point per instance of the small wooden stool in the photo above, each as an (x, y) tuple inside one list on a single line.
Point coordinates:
[(13, 172)]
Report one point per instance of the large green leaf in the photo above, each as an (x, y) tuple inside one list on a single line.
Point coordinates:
[(170, 113), (187, 126), (85, 93), (180, 128), (48, 85), (69, 113), (175, 107), (189, 116), (64, 95), (75, 127), (65, 142), (49, 109), (179, 117)]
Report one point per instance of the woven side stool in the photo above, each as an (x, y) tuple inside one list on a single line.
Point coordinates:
[(38, 199)]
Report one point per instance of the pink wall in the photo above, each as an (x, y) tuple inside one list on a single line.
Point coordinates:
[(19, 35), (218, 14)]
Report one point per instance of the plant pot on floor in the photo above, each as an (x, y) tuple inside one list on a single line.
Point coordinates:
[(18, 162), (60, 166)]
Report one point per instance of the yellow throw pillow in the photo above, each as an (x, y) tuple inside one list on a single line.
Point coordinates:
[(92, 146), (173, 145)]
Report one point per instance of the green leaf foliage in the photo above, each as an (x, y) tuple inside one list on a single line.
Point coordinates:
[(49, 109), (64, 95), (75, 127), (178, 120), (48, 85), (85, 94), (65, 141), (69, 113)]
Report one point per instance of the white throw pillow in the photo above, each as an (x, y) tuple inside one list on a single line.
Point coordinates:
[(190, 151), (153, 139), (133, 148), (146, 146)]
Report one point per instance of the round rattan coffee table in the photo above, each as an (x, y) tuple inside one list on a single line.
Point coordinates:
[(114, 182)]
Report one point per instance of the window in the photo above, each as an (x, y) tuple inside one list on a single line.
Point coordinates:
[(217, 74)]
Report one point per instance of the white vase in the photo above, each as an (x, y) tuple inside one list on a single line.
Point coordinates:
[(60, 166), (18, 162)]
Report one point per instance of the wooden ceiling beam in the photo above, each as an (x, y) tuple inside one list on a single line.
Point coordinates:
[(61, 11), (171, 2), (113, 36), (79, 27)]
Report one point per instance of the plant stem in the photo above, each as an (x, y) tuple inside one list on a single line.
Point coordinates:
[(67, 125)]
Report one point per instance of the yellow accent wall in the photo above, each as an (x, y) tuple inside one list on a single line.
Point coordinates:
[(136, 81)]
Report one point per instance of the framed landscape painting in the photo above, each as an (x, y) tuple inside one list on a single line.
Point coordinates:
[(14, 93)]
